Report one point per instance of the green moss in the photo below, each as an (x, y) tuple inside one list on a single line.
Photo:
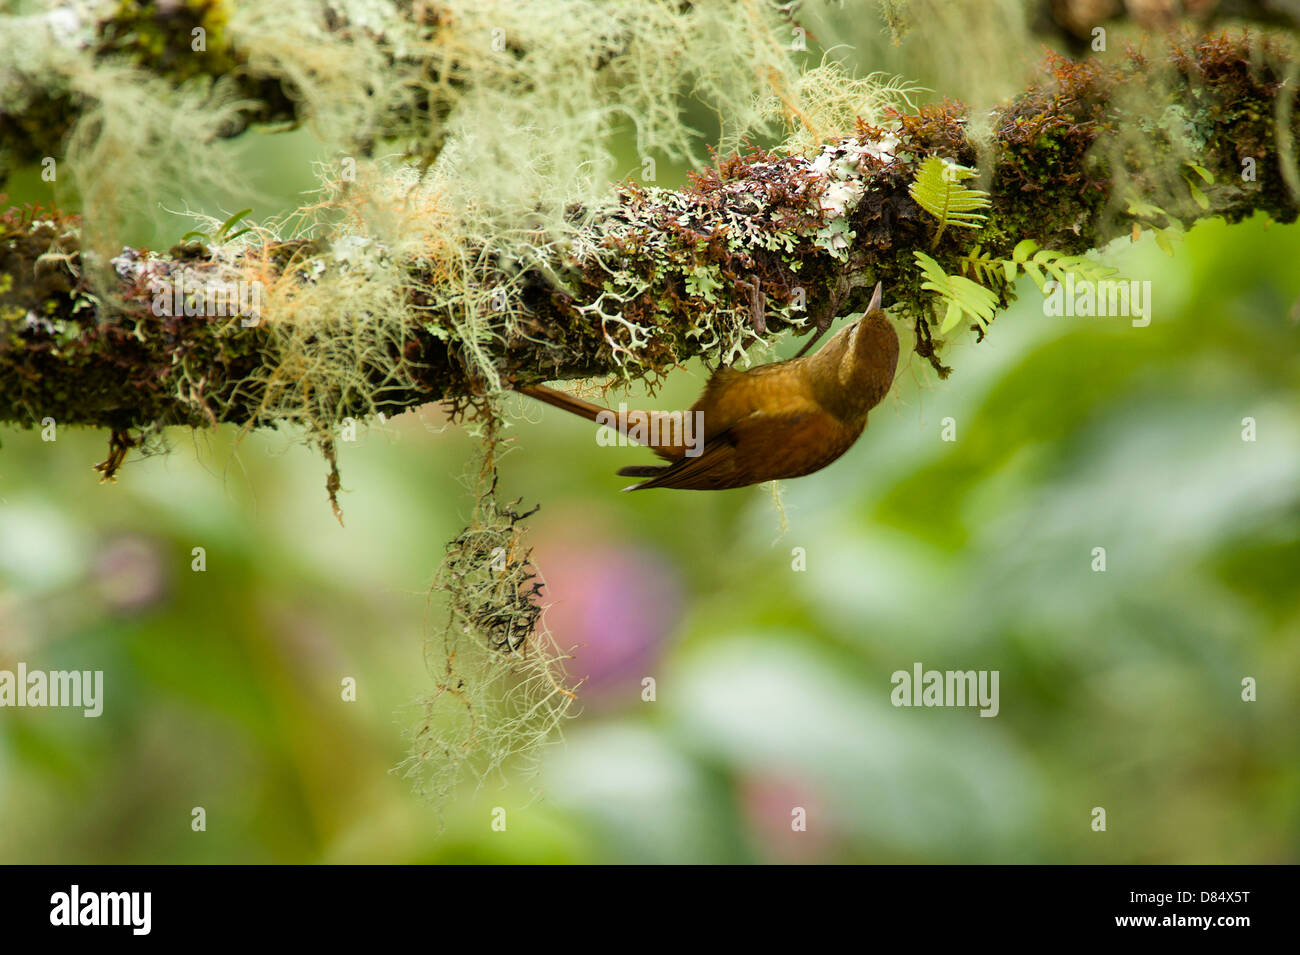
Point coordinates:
[(160, 38)]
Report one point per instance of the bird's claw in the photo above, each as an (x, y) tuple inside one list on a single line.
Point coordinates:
[(822, 326)]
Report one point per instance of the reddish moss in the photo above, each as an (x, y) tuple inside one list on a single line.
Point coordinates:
[(936, 129)]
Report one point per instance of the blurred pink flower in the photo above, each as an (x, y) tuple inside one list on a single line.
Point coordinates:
[(772, 805), (128, 573), (613, 608)]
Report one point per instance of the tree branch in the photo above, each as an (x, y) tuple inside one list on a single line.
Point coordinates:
[(660, 276)]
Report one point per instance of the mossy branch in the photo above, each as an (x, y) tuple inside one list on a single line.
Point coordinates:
[(224, 54), (656, 276)]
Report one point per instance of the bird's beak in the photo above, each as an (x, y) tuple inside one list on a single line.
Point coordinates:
[(875, 299)]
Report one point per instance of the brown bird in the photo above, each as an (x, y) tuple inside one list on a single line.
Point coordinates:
[(782, 420)]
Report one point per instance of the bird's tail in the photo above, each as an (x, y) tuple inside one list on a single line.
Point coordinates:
[(649, 429), (643, 470), (650, 471), (565, 402)]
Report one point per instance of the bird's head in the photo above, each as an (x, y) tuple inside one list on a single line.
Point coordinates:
[(872, 356), (874, 312)]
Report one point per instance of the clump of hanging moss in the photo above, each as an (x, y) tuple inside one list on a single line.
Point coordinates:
[(500, 690)]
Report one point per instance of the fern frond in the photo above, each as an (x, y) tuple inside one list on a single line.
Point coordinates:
[(985, 268), (1146, 211), (1040, 264), (963, 296), (939, 191)]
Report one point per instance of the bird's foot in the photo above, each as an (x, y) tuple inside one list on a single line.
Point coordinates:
[(823, 326)]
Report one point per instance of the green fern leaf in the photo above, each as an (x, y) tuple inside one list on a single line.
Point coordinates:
[(963, 296), (939, 191)]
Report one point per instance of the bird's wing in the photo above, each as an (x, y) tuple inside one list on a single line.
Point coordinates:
[(716, 410), (799, 439), (712, 401), (713, 469)]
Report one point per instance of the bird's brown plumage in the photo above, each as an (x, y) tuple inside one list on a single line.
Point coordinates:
[(782, 420)]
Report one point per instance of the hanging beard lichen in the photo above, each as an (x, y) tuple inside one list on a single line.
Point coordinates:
[(500, 690)]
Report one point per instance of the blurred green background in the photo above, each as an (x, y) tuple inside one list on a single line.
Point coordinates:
[(1119, 689)]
